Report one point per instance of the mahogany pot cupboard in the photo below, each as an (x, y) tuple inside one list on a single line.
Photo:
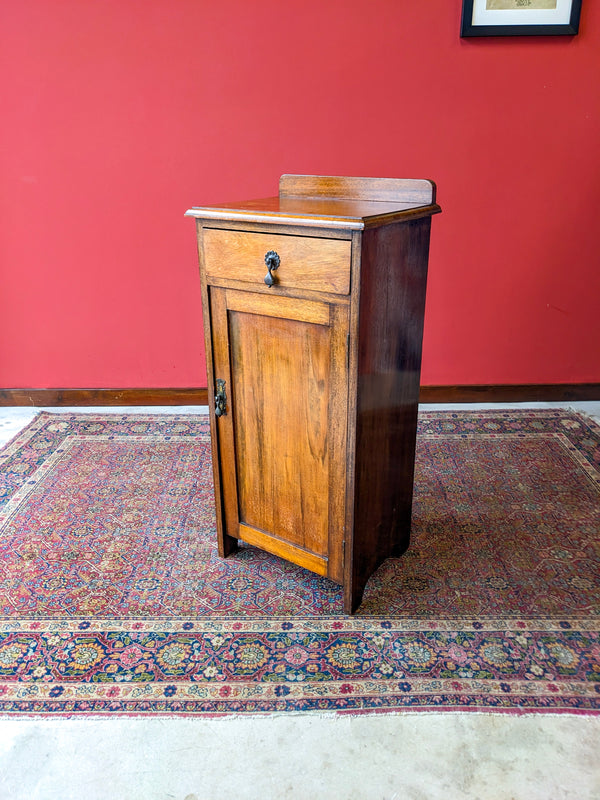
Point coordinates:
[(313, 307)]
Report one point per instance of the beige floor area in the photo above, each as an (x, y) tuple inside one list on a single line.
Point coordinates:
[(455, 756), (407, 757)]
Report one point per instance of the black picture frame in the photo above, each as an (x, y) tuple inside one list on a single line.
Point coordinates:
[(468, 29)]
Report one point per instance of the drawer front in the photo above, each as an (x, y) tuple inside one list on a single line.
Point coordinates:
[(321, 265)]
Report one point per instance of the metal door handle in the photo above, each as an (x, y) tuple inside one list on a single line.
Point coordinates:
[(272, 261), (220, 399)]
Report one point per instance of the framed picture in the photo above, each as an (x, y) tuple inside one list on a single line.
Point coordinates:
[(520, 17)]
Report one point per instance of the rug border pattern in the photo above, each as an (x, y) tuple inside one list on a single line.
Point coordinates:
[(173, 697)]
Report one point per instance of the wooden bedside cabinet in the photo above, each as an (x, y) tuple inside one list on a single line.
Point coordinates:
[(313, 308)]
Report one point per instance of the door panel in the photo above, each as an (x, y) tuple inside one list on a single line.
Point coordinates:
[(283, 438)]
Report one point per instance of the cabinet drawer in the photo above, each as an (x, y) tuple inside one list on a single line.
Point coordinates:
[(322, 265)]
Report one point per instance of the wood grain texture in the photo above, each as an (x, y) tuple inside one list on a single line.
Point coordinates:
[(274, 305), (271, 227), (225, 544), (473, 393), (337, 433), (390, 190), (511, 393), (223, 451), (281, 378), (390, 329), (48, 398), (316, 449), (338, 214), (284, 363), (305, 262), (270, 543), (281, 291)]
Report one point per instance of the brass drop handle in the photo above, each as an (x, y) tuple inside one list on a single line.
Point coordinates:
[(220, 399), (272, 261)]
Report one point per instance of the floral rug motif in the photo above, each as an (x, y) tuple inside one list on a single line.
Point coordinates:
[(113, 599)]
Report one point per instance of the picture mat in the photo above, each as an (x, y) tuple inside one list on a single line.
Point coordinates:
[(482, 15)]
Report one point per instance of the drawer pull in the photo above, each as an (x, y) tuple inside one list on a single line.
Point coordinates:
[(272, 261)]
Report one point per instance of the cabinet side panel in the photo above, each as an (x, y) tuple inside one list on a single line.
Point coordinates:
[(392, 304)]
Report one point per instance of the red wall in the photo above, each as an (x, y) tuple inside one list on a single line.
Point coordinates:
[(117, 115)]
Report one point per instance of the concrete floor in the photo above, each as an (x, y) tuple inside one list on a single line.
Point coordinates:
[(455, 756)]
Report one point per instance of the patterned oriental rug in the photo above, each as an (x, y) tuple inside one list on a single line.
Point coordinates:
[(114, 601)]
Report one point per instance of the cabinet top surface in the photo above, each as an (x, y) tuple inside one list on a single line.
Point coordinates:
[(337, 213), (348, 203)]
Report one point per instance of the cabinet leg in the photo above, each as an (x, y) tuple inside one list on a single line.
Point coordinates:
[(401, 546), (227, 545), (353, 595)]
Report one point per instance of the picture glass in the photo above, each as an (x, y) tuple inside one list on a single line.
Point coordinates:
[(521, 12), (508, 5)]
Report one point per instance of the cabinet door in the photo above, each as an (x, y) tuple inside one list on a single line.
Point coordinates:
[(282, 439)]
